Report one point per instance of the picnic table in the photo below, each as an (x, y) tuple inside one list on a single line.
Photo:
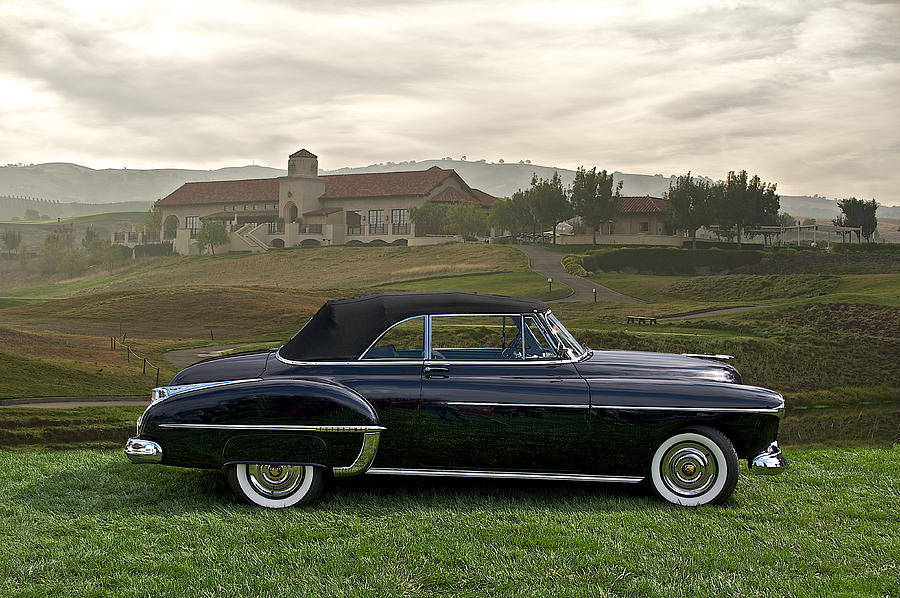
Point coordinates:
[(641, 320)]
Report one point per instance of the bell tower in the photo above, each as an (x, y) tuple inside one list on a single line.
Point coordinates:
[(303, 164)]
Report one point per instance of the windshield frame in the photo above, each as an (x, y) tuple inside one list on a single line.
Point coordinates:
[(563, 337)]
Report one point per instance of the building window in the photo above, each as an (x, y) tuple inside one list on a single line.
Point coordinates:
[(192, 223), (245, 207), (226, 208), (376, 222), (313, 229), (400, 222), (354, 223), (644, 227), (276, 228)]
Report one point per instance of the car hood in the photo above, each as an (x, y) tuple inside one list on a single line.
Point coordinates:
[(658, 366), (219, 369)]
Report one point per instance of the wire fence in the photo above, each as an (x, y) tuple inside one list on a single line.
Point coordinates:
[(117, 344)]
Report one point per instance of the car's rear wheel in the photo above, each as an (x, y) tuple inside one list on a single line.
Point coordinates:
[(694, 467), (275, 486)]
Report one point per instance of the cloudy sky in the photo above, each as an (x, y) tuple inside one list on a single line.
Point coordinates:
[(806, 94)]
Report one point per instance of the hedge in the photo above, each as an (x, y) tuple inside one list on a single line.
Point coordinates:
[(153, 249), (671, 260)]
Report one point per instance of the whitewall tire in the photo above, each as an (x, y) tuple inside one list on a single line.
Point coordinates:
[(697, 466), (275, 486)]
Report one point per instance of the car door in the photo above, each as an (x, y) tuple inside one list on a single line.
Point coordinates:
[(389, 376), (493, 399)]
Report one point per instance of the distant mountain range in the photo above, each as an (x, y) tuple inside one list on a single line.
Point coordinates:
[(63, 184)]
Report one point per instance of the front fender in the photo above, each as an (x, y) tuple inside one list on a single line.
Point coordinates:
[(265, 420)]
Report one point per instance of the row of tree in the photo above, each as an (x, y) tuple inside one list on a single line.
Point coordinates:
[(738, 203)]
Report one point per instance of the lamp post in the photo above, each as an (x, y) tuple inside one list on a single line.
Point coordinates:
[(550, 282), (595, 295)]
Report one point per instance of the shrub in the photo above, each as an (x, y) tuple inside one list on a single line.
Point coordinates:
[(573, 265), (311, 243), (400, 242), (865, 247), (154, 249), (377, 243)]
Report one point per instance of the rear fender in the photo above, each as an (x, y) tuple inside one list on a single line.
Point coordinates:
[(288, 421)]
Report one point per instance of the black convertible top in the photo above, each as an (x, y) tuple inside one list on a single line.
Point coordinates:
[(344, 328)]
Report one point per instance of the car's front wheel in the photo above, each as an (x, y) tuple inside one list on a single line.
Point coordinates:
[(697, 466), (275, 486)]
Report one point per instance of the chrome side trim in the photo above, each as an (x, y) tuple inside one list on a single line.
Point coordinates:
[(768, 462), (486, 404), (162, 393), (277, 428), (364, 459), (616, 407), (774, 410), (517, 475), (385, 362), (143, 451)]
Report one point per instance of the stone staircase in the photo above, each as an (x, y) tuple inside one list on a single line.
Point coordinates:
[(245, 234)]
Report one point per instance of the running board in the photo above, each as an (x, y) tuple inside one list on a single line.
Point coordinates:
[(513, 475)]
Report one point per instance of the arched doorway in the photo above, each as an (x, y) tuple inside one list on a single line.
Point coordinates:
[(169, 227), (291, 212)]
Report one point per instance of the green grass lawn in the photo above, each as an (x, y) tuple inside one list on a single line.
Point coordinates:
[(87, 523)]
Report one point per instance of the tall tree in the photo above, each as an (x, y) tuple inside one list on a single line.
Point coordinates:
[(549, 202), (153, 219), (513, 215), (595, 198), (467, 219), (429, 218), (858, 213), (211, 233), (748, 202), (11, 241), (691, 202)]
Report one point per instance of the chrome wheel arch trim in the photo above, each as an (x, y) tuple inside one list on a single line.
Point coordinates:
[(364, 460), (512, 475)]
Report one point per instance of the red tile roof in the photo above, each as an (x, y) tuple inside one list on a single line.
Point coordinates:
[(453, 195), (385, 184), (644, 205), (485, 199), (323, 211), (245, 191), (303, 154)]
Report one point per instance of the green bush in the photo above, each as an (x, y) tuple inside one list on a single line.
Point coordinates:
[(573, 265), (670, 260), (377, 243), (354, 243), (865, 247), (153, 249), (400, 242), (316, 243)]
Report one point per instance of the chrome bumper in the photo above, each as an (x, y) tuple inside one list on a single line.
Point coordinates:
[(143, 451), (768, 462)]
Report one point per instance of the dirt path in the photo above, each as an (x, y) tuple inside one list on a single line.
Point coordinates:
[(712, 312), (549, 263), (71, 402), (185, 357)]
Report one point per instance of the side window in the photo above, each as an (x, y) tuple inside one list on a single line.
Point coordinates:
[(405, 340), (476, 338), (537, 346)]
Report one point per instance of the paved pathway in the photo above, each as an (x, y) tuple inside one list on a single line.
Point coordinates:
[(549, 263)]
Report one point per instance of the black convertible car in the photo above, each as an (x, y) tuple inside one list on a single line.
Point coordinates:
[(459, 384)]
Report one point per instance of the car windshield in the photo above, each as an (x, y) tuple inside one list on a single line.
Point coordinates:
[(564, 337)]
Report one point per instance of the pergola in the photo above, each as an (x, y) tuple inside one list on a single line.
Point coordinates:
[(785, 234)]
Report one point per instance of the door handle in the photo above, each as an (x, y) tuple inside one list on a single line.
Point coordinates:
[(430, 370)]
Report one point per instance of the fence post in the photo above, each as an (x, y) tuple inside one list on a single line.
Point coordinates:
[(128, 353), (145, 365), (211, 335), (157, 376)]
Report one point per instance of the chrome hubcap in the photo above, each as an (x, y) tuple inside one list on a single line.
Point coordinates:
[(688, 469), (275, 481)]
